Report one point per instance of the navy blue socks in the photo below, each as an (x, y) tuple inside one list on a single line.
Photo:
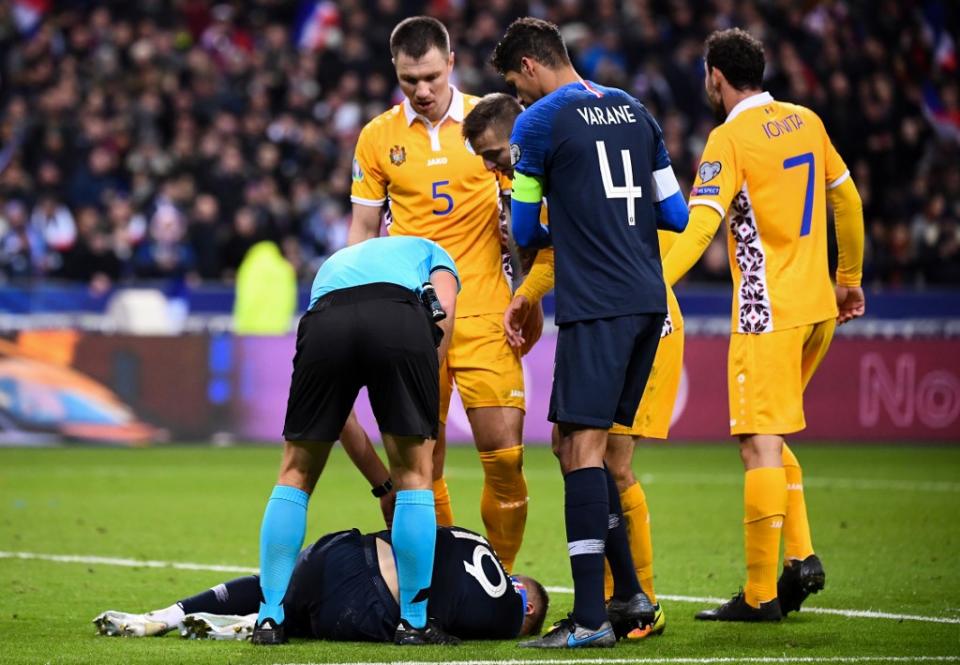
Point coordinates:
[(586, 508), (625, 584), (240, 596)]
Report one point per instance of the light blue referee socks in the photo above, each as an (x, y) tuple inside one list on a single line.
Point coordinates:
[(414, 537), (281, 537)]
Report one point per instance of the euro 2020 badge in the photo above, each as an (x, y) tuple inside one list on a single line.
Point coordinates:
[(514, 154), (398, 155), (709, 171)]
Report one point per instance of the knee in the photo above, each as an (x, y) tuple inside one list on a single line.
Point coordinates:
[(761, 450), (622, 475)]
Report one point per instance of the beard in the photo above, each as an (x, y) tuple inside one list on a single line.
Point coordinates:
[(716, 105)]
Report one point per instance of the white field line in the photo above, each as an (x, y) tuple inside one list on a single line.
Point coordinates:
[(811, 481), (669, 661), (128, 563), (180, 565)]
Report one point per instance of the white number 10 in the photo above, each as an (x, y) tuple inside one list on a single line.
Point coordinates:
[(628, 190)]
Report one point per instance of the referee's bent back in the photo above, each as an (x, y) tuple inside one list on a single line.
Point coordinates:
[(407, 261)]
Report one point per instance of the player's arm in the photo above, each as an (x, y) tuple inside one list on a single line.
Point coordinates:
[(360, 450), (718, 179), (668, 204), (671, 210), (848, 220), (365, 223), (540, 280), (368, 192), (691, 244), (525, 203), (528, 149), (523, 318), (446, 284)]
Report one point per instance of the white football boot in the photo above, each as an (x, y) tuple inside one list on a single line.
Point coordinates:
[(204, 626), (113, 624)]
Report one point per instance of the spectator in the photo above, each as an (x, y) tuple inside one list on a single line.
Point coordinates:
[(165, 253), (245, 229), (23, 252), (91, 258), (132, 107), (55, 222)]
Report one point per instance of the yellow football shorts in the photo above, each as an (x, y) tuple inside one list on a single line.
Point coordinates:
[(767, 374), (656, 406), (486, 370)]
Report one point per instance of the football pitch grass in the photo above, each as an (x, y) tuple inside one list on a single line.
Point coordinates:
[(885, 523)]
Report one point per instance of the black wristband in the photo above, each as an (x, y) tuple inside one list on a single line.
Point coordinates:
[(382, 490)]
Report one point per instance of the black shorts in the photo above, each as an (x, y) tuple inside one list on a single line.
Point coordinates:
[(378, 336), (337, 593), (601, 369)]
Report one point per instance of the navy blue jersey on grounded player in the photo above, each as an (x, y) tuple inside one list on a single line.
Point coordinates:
[(598, 157), (472, 596)]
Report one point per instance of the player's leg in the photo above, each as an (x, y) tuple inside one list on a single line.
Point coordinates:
[(797, 543), (586, 511), (414, 529), (239, 596), (802, 570), (590, 390), (503, 501), (224, 612), (404, 393), (489, 378), (765, 393), (652, 421), (322, 391), (634, 507), (284, 527), (630, 606), (441, 493)]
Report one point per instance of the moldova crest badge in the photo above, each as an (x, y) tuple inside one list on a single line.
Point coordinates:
[(398, 155)]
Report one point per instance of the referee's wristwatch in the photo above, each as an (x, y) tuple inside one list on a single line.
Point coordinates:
[(382, 490)]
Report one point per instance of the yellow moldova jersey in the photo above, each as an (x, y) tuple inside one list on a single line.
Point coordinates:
[(436, 188), (767, 169)]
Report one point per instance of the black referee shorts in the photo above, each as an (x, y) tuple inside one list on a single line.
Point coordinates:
[(378, 336)]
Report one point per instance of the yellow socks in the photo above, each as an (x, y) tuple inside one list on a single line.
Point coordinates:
[(441, 503), (765, 504), (797, 543), (503, 503), (633, 501)]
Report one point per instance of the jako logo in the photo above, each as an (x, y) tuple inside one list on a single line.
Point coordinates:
[(932, 398)]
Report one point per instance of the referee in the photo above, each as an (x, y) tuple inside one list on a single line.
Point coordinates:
[(381, 315)]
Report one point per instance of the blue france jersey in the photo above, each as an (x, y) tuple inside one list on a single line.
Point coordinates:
[(404, 260), (607, 178)]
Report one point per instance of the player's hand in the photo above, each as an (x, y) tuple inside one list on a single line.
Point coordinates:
[(514, 319), (387, 503), (850, 302), (532, 328)]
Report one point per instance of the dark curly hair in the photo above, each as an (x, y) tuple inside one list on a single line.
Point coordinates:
[(739, 55), (530, 38)]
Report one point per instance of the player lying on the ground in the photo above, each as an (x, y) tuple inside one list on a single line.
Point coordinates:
[(344, 587)]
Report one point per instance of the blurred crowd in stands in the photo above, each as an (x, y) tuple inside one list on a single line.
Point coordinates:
[(162, 138)]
